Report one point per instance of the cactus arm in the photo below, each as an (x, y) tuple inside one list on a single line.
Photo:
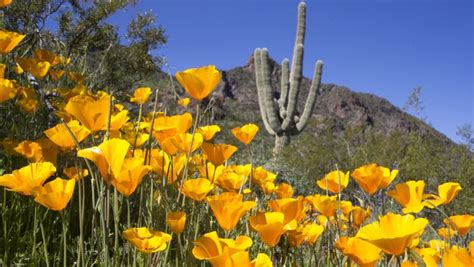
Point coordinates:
[(301, 26), (311, 100), (295, 80), (285, 86), (270, 105), (261, 90)]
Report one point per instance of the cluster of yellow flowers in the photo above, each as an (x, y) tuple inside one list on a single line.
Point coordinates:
[(188, 165)]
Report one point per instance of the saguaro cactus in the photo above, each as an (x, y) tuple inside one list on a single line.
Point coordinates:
[(280, 116)]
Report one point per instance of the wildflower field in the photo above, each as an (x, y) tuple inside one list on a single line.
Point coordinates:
[(110, 183)]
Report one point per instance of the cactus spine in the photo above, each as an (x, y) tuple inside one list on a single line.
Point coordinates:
[(280, 116)]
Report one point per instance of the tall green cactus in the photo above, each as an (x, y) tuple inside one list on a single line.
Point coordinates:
[(280, 116)]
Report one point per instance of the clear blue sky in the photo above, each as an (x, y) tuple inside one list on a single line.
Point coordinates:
[(382, 47)]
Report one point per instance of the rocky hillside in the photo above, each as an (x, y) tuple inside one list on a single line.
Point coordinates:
[(337, 106)]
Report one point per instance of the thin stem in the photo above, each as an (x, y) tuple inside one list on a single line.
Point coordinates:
[(196, 123), (64, 238), (45, 245)]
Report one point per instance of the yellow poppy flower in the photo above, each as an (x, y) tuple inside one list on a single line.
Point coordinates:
[(293, 208), (409, 195), (359, 216), (218, 153), (308, 232), (446, 193), (335, 181), (141, 95), (9, 40), (108, 155), (371, 177), (45, 55), (176, 221), (262, 260), (429, 255), (362, 252), (284, 190), (462, 223), (260, 176), (246, 133), (38, 151), (55, 195), (2, 70), (61, 137), (228, 208), (94, 114), (222, 252), (168, 126), (393, 233), (146, 240), (131, 174), (186, 142), (4, 3), (26, 179), (167, 166), (197, 189), (56, 74), (8, 89), (326, 205), (270, 226), (75, 174), (446, 233), (388, 177), (199, 82), (38, 69), (136, 140), (231, 181), (184, 102), (208, 131), (456, 256), (211, 172)]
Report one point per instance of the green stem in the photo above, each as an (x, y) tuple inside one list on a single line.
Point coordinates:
[(64, 239), (45, 245)]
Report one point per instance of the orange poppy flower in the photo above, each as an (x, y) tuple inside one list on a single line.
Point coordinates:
[(218, 153), (26, 179), (184, 102), (199, 82), (56, 194), (94, 114), (38, 69), (9, 40), (293, 208), (208, 131), (335, 181), (109, 155), (284, 190), (130, 175), (305, 233), (61, 137), (176, 221), (141, 95), (270, 226), (222, 252), (197, 189), (75, 174), (462, 223), (393, 233), (409, 195), (362, 252), (372, 177), (246, 133), (146, 240), (228, 208)]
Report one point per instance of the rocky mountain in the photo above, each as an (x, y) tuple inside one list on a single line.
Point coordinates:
[(337, 107)]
